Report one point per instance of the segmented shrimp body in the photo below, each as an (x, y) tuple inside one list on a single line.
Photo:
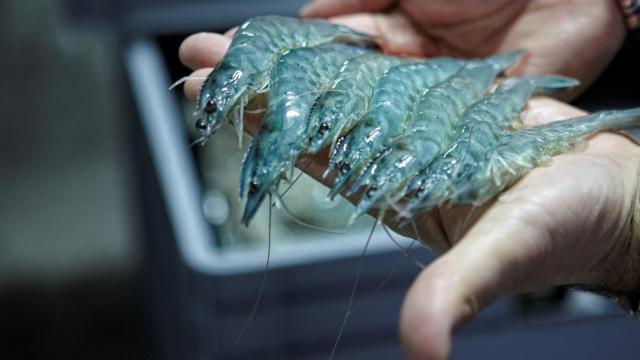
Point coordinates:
[(391, 103), (244, 70), (346, 101), (297, 79), (518, 152), (426, 137), (480, 129)]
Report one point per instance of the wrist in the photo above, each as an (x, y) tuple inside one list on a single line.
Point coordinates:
[(630, 10)]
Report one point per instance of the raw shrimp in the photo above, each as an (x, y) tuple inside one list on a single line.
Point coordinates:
[(390, 113), (480, 128), (244, 70), (393, 97), (427, 136), (518, 152), (296, 81), (337, 111)]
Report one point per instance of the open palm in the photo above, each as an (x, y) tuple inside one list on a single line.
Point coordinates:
[(573, 222)]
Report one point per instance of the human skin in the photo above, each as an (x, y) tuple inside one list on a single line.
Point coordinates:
[(575, 221)]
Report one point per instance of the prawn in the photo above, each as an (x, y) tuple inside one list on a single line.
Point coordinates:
[(339, 109), (376, 134), (427, 135), (244, 70), (480, 128), (297, 78), (518, 152), (392, 99)]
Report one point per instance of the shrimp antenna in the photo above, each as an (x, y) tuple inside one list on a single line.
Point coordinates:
[(384, 281), (201, 140), (348, 313), (262, 285), (281, 205), (184, 79), (296, 179), (405, 252), (418, 236)]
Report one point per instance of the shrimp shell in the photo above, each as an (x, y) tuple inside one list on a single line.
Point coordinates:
[(518, 152), (378, 132), (338, 110), (297, 79), (480, 128), (427, 136), (392, 100), (244, 70)]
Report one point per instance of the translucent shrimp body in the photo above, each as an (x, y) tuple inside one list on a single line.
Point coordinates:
[(392, 100), (244, 70), (479, 129), (427, 136), (339, 109), (297, 79), (371, 136), (518, 152)]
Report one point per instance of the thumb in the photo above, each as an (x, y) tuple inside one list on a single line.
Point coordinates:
[(492, 260), (327, 8)]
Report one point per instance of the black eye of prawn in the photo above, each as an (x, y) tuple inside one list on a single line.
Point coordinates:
[(323, 128), (345, 168), (372, 190), (201, 125), (210, 106), (254, 185)]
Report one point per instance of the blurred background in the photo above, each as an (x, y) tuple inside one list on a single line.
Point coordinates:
[(118, 241)]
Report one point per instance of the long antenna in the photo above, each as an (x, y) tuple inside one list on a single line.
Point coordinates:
[(353, 292), (262, 285)]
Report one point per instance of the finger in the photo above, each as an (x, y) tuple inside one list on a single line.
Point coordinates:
[(229, 33), (326, 8), (193, 85), (203, 50), (492, 260)]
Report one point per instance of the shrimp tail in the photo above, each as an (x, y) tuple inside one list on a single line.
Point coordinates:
[(359, 39), (620, 120), (545, 84), (503, 61), (506, 167)]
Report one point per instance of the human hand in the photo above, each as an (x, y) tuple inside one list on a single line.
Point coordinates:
[(574, 222), (566, 37)]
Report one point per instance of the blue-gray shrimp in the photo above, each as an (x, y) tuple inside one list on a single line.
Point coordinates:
[(392, 100), (339, 109), (518, 152), (371, 136), (427, 136), (296, 81), (480, 129), (244, 70)]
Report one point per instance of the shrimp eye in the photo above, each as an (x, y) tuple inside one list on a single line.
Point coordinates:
[(201, 125), (345, 168), (323, 128), (372, 190), (420, 190), (254, 185), (210, 106)]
